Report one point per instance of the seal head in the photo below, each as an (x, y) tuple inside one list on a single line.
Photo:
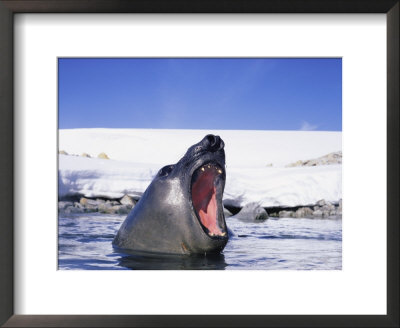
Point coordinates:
[(181, 211)]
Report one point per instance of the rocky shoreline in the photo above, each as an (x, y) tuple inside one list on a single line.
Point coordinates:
[(88, 205), (322, 209)]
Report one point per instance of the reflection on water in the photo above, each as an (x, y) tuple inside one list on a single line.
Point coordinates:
[(276, 244), (172, 262)]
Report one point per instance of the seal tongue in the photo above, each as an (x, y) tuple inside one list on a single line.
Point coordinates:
[(205, 200)]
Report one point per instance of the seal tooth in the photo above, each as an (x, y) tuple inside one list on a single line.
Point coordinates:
[(209, 166), (219, 171), (202, 168), (223, 234)]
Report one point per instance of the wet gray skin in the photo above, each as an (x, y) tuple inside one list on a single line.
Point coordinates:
[(167, 218)]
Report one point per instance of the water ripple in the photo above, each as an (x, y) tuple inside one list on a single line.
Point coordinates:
[(282, 244)]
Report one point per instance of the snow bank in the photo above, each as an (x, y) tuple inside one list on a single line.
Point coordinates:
[(94, 177), (137, 155), (243, 148), (283, 186)]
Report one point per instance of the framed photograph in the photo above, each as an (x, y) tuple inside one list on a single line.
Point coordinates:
[(246, 200), (120, 117)]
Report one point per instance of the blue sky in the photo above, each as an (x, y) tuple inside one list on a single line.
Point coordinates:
[(178, 93)]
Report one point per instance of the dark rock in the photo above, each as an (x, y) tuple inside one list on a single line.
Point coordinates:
[(127, 200), (122, 209), (116, 209), (318, 213), (227, 213), (333, 212), (85, 201), (325, 213), (303, 212), (91, 209), (328, 207), (79, 205), (252, 212), (105, 207), (63, 205), (73, 210), (285, 214)]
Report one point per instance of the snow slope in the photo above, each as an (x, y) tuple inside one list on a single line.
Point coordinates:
[(136, 155)]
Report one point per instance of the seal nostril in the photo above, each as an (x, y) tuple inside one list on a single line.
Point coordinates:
[(212, 142), (211, 139)]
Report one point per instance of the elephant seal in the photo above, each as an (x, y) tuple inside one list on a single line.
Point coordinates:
[(181, 210)]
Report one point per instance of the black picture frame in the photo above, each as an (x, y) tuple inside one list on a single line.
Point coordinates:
[(7, 201)]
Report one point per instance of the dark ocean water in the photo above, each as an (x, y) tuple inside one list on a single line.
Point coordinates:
[(84, 243)]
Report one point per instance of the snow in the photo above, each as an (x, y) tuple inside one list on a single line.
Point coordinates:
[(255, 163)]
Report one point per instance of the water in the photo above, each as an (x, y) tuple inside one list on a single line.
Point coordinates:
[(275, 244)]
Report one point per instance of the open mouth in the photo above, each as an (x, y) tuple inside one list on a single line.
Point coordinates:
[(207, 198)]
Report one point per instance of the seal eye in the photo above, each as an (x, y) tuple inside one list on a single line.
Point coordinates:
[(166, 170)]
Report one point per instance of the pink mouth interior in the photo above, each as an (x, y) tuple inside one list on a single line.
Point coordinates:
[(205, 200)]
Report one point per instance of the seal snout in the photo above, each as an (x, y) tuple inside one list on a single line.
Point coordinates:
[(212, 143)]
